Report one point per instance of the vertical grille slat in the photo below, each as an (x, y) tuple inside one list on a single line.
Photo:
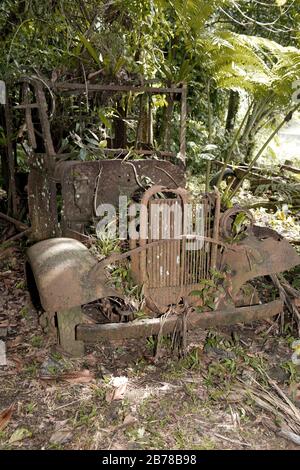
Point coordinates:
[(168, 264)]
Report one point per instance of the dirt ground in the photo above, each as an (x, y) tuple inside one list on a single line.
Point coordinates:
[(119, 397)]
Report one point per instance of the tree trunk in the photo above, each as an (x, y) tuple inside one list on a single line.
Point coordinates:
[(144, 132), (3, 153), (120, 140), (165, 134), (233, 107)]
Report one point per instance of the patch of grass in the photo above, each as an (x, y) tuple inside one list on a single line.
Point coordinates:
[(3, 435), (99, 393), (214, 340), (145, 406), (150, 343), (10, 264), (292, 371), (29, 408), (58, 396), (174, 373), (85, 416), (178, 368), (20, 285), (53, 370), (217, 394), (180, 439), (36, 341), (191, 391), (56, 356), (141, 363), (126, 406), (205, 444), (140, 314), (24, 312), (191, 360), (55, 446), (32, 369), (107, 245)]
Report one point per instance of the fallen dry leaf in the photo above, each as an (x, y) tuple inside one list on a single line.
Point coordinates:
[(18, 362), (91, 360), (5, 416), (61, 437), (6, 253), (119, 385), (19, 435), (128, 420), (15, 342), (58, 425), (81, 376)]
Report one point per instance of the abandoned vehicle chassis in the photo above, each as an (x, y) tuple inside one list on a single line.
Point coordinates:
[(67, 276)]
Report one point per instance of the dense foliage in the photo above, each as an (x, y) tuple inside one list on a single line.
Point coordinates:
[(240, 59)]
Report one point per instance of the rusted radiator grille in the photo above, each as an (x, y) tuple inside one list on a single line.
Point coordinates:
[(178, 262)]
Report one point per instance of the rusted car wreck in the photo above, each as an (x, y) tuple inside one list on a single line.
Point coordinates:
[(64, 275), (68, 276)]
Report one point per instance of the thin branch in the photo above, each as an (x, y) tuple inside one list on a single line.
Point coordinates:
[(262, 149)]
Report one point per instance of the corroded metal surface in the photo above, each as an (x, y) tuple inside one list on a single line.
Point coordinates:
[(41, 204), (68, 276), (41, 186), (153, 326), (263, 251), (85, 185), (170, 271), (80, 190), (61, 268)]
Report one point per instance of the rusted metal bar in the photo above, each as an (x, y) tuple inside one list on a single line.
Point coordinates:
[(26, 106), (96, 87), (120, 256), (290, 168), (26, 233), (42, 104), (12, 194), (216, 229), (41, 182), (153, 326), (163, 153), (182, 136), (67, 321), (16, 222), (28, 116)]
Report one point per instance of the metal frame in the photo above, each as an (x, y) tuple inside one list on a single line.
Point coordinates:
[(182, 90), (42, 185), (67, 276)]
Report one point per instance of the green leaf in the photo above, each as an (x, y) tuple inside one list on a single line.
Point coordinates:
[(238, 222), (103, 144), (211, 304), (104, 119), (91, 50), (197, 293), (83, 154), (19, 435)]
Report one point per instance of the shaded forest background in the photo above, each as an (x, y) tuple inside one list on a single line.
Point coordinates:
[(240, 59)]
